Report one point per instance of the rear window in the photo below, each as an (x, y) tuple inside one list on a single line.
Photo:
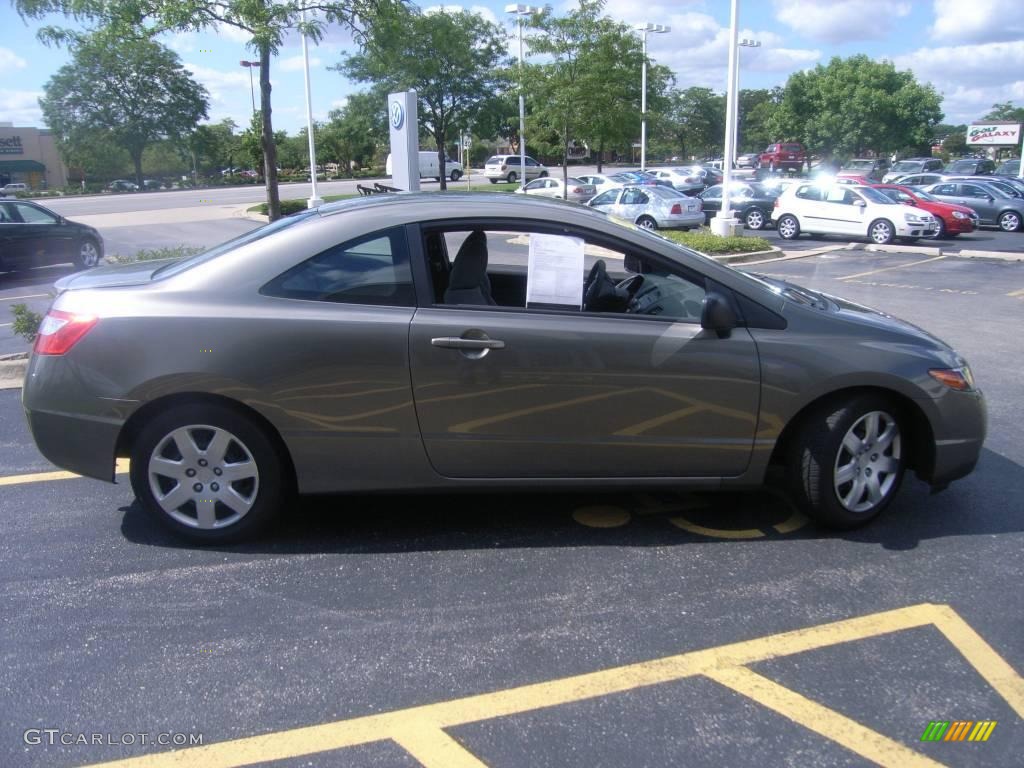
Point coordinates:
[(792, 148), (666, 192), (495, 160)]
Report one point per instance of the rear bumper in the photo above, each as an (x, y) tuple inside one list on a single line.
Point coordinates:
[(684, 220), (75, 443)]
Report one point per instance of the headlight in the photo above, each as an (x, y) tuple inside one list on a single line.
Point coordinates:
[(913, 217), (960, 379), (961, 215)]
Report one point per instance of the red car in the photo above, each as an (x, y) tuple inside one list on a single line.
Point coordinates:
[(782, 157), (953, 219)]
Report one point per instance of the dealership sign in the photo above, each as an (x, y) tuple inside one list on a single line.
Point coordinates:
[(994, 134), (11, 146)]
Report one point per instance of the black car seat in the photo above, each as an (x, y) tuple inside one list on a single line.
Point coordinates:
[(468, 283)]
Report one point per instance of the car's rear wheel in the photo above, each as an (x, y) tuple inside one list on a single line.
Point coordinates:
[(208, 473), (847, 463), (1010, 222), (456, 174), (647, 222), (512, 177), (789, 227), (88, 255), (881, 232), (755, 219)]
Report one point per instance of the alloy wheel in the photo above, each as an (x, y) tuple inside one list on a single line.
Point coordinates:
[(89, 254), (867, 464)]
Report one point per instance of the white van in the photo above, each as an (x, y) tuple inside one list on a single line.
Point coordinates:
[(428, 166), (13, 188)]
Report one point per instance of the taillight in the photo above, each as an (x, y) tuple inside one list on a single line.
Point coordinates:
[(676, 209), (692, 179), (577, 191), (60, 331), (776, 203)]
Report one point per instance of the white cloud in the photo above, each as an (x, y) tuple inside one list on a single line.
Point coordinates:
[(971, 77), (10, 60), (983, 21), (480, 10), (840, 21), (224, 88), (180, 42), (234, 34), (21, 107), (295, 63)]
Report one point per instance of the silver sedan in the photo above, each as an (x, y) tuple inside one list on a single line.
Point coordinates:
[(652, 207), (368, 346), (573, 190)]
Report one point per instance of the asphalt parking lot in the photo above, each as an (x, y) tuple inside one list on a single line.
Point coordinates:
[(623, 629)]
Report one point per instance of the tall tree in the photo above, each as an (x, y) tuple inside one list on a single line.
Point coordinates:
[(695, 121), (853, 105), (267, 21), (135, 90), (355, 133), (450, 58)]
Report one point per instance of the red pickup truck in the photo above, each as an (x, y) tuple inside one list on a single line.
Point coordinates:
[(782, 157)]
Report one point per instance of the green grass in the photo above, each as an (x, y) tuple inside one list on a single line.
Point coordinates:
[(288, 207), (705, 241)]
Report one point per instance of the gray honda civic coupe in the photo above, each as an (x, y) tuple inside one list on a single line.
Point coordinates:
[(414, 342)]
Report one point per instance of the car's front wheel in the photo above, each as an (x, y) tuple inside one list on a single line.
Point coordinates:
[(847, 462), (881, 232), (456, 174), (789, 227), (88, 255), (208, 473)]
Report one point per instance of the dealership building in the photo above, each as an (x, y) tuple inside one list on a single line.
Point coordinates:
[(29, 155)]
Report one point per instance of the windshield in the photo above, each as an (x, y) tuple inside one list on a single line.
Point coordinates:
[(666, 192), (859, 165), (907, 165), (249, 237), (926, 197)]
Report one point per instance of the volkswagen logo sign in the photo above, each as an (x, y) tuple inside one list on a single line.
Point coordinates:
[(397, 115)]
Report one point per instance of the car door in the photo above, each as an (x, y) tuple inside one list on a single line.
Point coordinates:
[(711, 200), (46, 240), (985, 204), (542, 391), (632, 204), (15, 238), (536, 187)]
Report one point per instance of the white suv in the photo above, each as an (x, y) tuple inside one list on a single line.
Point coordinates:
[(508, 167), (843, 209)]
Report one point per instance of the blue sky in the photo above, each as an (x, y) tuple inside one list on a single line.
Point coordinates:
[(972, 51)]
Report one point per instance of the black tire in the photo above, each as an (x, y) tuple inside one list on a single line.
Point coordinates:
[(456, 174), (756, 219), (543, 175), (1010, 221), (88, 254), (493, 181), (788, 227), (881, 232), (512, 177), (941, 233), (646, 222), (820, 459), (248, 443)]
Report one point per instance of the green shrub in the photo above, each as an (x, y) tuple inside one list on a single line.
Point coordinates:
[(288, 207), (705, 241), (26, 322), (153, 254)]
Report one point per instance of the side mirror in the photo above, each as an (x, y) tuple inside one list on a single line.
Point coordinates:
[(717, 315), (860, 203), (990, 198)]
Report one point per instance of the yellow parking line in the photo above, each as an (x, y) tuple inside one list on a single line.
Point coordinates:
[(889, 269), (855, 737), (718, 533), (41, 477), (1016, 293), (418, 728)]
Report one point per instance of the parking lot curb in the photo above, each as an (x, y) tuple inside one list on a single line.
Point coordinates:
[(12, 370), (999, 255), (743, 258), (927, 250)]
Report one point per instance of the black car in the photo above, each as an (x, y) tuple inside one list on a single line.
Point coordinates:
[(31, 236), (970, 166), (751, 202)]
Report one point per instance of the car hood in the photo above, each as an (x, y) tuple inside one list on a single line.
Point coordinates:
[(111, 275), (944, 207)]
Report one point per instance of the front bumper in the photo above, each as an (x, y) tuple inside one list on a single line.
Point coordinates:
[(959, 424), (914, 229)]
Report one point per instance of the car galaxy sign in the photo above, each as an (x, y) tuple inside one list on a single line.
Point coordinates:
[(1004, 133)]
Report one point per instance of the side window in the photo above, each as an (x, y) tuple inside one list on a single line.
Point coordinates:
[(33, 215), (6, 212), (713, 192), (944, 189), (539, 184), (969, 190), (808, 192), (373, 269), (647, 289), (634, 197), (606, 198)]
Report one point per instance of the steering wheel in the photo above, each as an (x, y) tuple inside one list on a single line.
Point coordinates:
[(597, 280)]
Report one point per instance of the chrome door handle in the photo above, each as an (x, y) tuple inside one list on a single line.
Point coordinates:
[(456, 342)]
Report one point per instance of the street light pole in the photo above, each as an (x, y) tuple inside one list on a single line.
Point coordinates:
[(520, 11), (314, 199), (252, 93), (744, 43), (643, 29), (723, 223)]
